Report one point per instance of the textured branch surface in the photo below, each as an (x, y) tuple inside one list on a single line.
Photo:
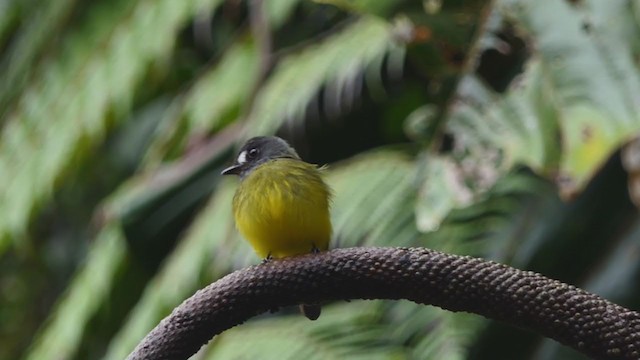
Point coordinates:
[(572, 316)]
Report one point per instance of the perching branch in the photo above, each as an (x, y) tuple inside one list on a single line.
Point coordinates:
[(572, 316)]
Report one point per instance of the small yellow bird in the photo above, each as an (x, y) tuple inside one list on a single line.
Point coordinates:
[(282, 204)]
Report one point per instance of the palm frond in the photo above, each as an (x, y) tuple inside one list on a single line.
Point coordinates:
[(432, 333), (102, 63), (177, 278), (382, 181), (375, 7), (218, 96), (279, 11), (358, 47), (213, 101), (62, 333), (343, 331), (10, 11), (30, 41), (444, 189)]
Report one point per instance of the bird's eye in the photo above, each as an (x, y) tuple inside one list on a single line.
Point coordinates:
[(252, 153)]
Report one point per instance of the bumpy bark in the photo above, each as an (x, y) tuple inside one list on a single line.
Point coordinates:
[(565, 313)]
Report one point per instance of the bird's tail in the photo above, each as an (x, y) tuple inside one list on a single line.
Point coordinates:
[(311, 311)]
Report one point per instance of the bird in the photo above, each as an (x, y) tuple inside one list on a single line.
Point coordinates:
[(282, 204)]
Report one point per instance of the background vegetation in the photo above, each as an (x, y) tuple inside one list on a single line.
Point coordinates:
[(503, 129)]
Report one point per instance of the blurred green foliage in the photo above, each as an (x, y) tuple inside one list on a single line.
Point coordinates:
[(491, 128)]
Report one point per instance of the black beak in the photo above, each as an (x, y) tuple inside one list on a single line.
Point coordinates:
[(232, 170)]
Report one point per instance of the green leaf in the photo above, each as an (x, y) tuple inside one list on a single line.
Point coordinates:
[(588, 140), (64, 111), (62, 333), (443, 190), (598, 15), (566, 114), (374, 7), (213, 101), (358, 47), (382, 181), (222, 89), (591, 72), (279, 11), (42, 22), (178, 277), (343, 331), (430, 332)]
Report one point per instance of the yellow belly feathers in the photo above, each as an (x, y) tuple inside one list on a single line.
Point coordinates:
[(282, 209)]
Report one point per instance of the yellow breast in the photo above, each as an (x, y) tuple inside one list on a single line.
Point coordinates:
[(282, 209)]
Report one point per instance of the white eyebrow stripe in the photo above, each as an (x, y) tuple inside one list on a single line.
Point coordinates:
[(242, 158)]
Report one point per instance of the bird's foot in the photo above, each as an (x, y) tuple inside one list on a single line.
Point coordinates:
[(314, 249)]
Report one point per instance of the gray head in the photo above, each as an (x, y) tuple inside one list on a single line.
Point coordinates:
[(257, 151)]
